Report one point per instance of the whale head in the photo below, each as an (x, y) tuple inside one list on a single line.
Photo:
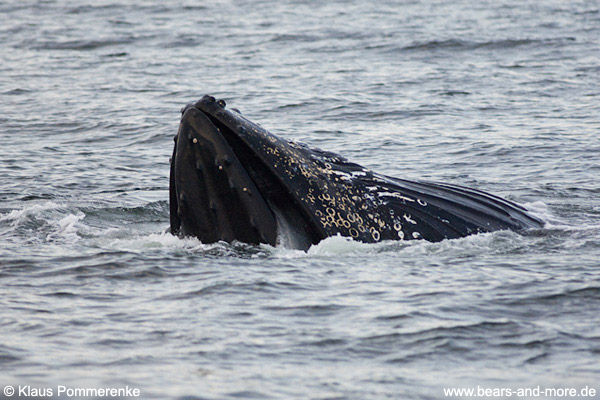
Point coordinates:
[(232, 180)]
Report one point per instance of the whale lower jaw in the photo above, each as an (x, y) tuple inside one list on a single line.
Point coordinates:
[(212, 195)]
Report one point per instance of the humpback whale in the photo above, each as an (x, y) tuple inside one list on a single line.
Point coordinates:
[(232, 180)]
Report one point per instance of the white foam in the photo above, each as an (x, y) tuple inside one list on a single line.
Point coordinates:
[(124, 240), (468, 246), (540, 210), (66, 228), (473, 245), (331, 246), (167, 240), (336, 245)]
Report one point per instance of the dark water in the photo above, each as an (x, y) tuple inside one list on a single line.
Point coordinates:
[(499, 95)]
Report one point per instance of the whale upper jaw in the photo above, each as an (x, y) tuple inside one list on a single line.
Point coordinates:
[(220, 188)]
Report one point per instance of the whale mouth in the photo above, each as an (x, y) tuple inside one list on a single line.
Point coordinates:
[(221, 190)]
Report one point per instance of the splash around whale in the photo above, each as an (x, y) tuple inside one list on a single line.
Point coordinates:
[(233, 180)]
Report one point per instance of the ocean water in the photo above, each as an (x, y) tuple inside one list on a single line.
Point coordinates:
[(501, 95)]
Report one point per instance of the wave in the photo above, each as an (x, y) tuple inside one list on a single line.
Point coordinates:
[(80, 44), (15, 217), (52, 222), (45, 222), (586, 295), (83, 44), (459, 44)]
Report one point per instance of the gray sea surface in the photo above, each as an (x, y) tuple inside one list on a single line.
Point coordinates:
[(501, 95)]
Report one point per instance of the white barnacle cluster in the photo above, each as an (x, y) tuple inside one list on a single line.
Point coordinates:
[(340, 207), (342, 175), (356, 174), (343, 200), (396, 195), (408, 218), (398, 229), (403, 224)]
